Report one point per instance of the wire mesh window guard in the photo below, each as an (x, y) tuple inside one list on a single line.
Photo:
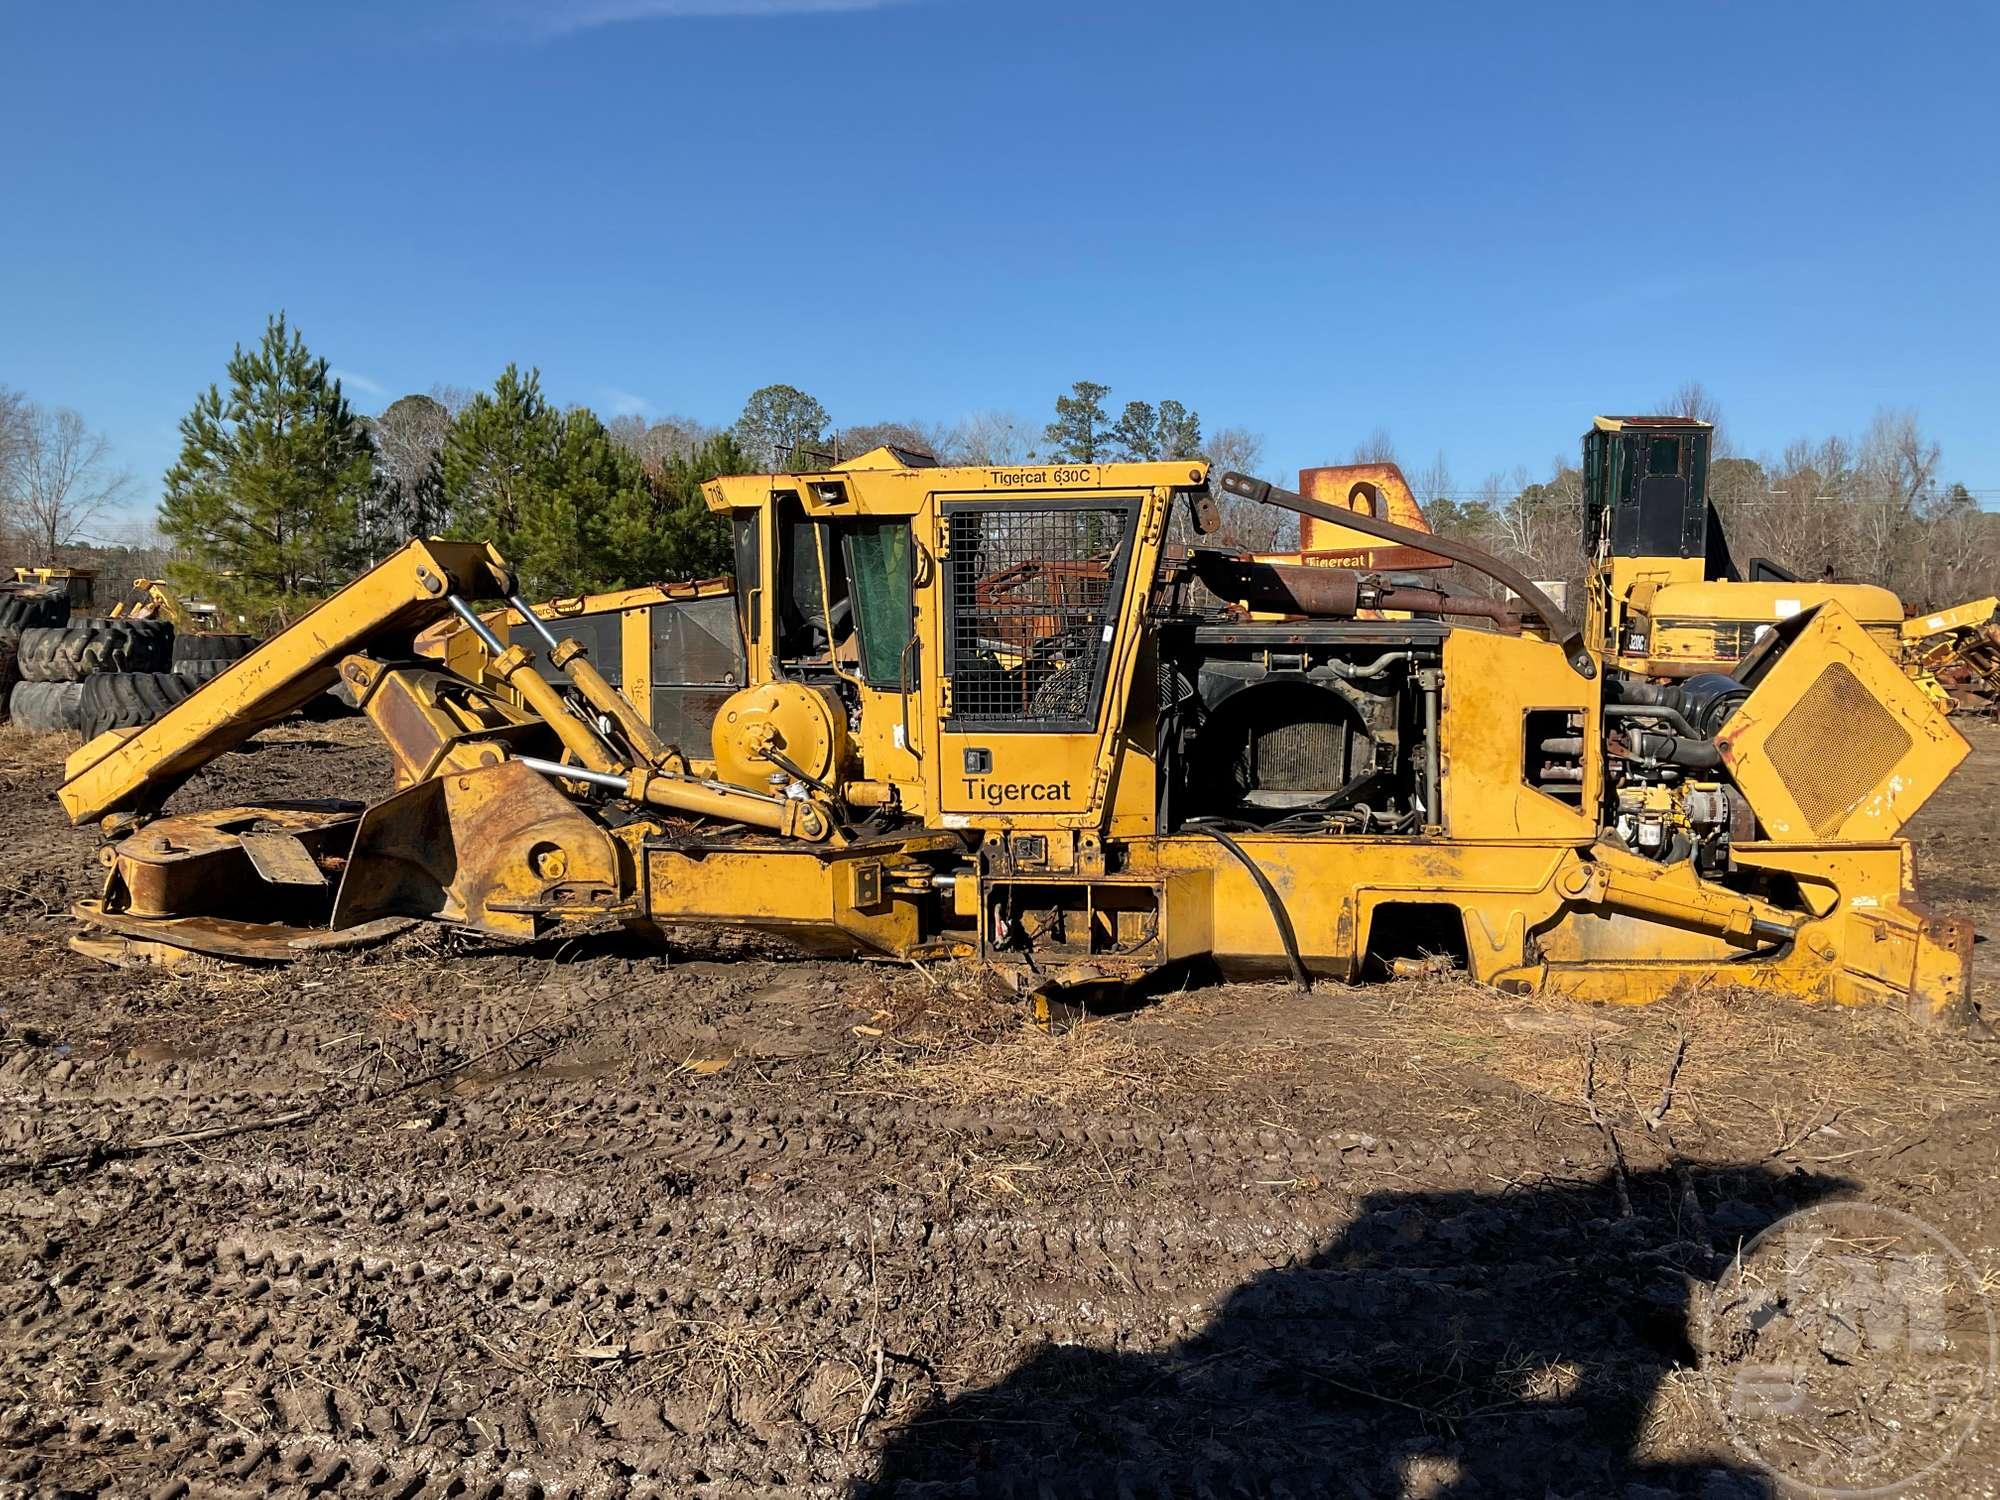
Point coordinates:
[(1034, 592)]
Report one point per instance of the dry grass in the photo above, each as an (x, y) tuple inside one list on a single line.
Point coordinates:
[(33, 752), (954, 1034), (1702, 1072)]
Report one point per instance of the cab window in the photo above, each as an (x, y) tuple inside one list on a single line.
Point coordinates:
[(879, 575)]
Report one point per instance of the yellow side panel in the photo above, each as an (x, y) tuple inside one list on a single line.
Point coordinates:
[(1836, 744), (1491, 683), (635, 646), (1037, 780), (809, 898)]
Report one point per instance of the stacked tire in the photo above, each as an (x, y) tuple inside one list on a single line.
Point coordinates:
[(128, 699), (83, 675), (46, 705), (23, 610), (197, 658), (70, 653), (125, 700)]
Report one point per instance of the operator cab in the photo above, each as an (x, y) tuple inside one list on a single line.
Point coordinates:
[(1645, 492)]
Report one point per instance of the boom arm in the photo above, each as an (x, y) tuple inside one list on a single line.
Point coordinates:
[(134, 774)]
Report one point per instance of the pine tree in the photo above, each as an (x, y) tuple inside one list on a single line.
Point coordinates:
[(543, 486), (497, 456), (1137, 435), (666, 531), (1179, 432), (272, 484), (1078, 434)]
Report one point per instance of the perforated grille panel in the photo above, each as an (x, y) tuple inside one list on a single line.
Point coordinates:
[(1834, 747), (1032, 601)]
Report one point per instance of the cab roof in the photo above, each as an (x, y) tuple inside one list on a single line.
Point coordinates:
[(883, 481), (1676, 424)]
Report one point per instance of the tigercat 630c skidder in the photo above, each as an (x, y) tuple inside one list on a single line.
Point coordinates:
[(990, 713)]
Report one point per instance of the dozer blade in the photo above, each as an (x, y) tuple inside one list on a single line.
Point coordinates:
[(223, 937), (498, 849)]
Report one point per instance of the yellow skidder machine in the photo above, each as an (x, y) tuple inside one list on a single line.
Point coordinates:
[(978, 712)]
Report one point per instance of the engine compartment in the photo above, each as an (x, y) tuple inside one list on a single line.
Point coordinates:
[(1333, 726)]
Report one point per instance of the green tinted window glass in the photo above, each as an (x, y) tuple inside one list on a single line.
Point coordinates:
[(749, 570), (1665, 457), (878, 570)]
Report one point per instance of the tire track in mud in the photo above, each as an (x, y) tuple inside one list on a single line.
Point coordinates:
[(268, 1304), (598, 1124)]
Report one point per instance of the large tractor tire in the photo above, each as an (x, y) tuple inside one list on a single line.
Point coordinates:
[(73, 652), (125, 700), (46, 705), (195, 673), (207, 648), (32, 609), (10, 667)]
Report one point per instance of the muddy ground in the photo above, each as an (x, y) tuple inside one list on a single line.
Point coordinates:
[(602, 1221)]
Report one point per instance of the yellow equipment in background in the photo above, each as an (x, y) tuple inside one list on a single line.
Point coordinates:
[(161, 602), (978, 712), (78, 584), (1954, 655), (1665, 597)]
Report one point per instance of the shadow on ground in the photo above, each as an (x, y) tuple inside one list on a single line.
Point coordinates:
[(1530, 1341)]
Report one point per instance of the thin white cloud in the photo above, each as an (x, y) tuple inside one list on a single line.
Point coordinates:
[(351, 381), (625, 404), (564, 17)]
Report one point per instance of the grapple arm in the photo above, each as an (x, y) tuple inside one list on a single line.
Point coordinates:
[(119, 773)]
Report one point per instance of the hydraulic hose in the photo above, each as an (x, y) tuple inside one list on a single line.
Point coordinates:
[(1672, 716), (1352, 671), (1697, 755), (1301, 976)]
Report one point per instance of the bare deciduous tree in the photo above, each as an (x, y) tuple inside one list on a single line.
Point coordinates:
[(993, 437), (1377, 448), (409, 444), (61, 480), (1262, 528), (627, 431), (1692, 399), (1433, 483), (14, 418), (933, 438)]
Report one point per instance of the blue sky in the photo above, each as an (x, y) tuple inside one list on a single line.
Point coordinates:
[(1472, 225)]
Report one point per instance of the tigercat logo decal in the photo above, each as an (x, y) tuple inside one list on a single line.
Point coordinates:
[(999, 793)]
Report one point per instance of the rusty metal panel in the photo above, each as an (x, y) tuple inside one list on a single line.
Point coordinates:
[(280, 858), (1377, 490)]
